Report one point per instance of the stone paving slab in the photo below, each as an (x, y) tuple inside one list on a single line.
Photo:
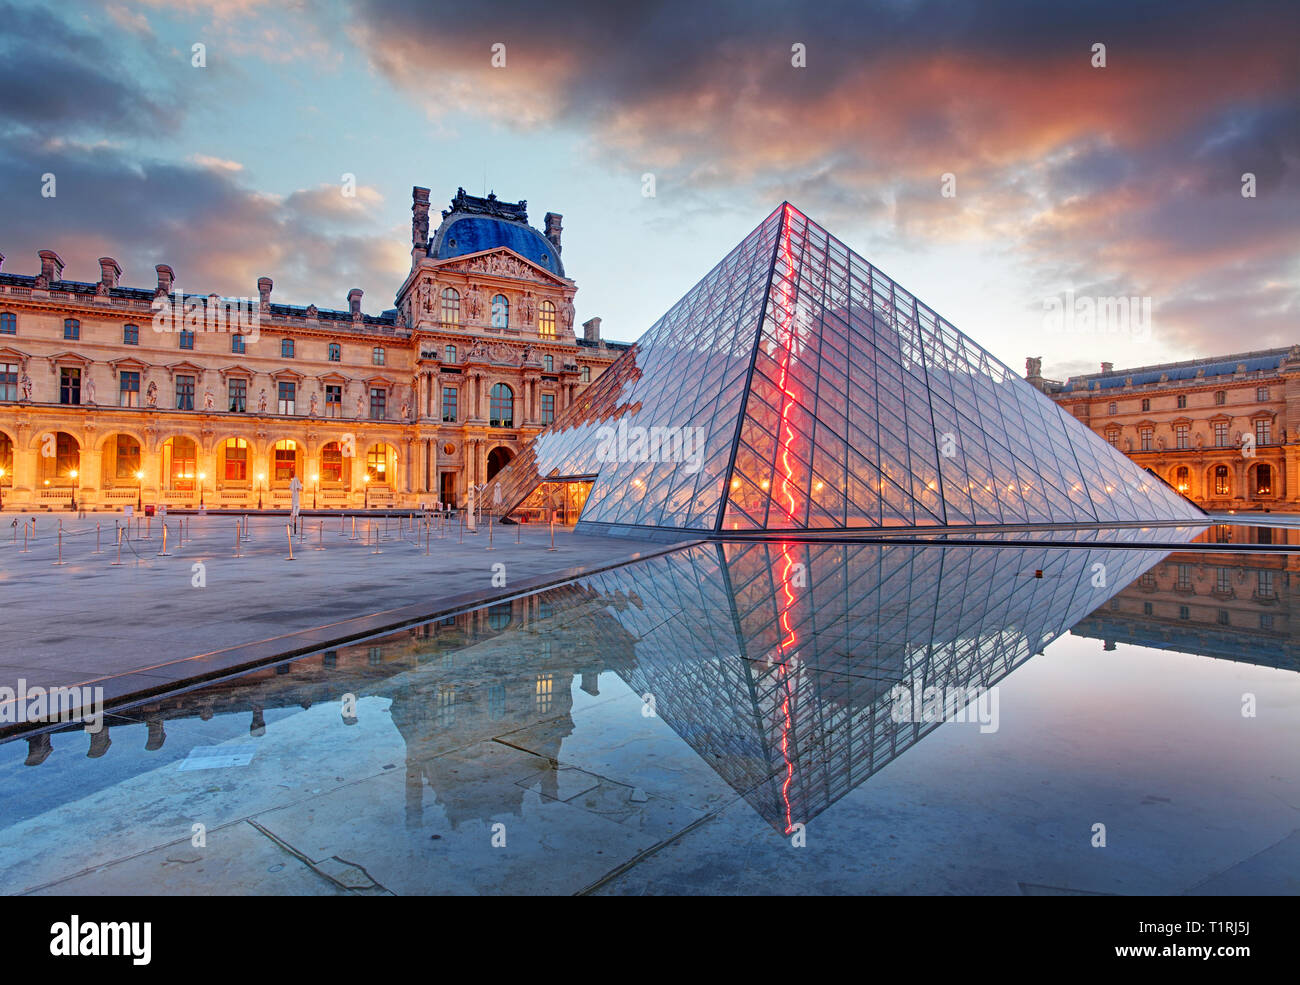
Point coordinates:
[(157, 621)]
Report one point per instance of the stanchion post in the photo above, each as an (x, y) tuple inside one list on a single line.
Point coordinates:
[(118, 562), (552, 547), (60, 559), (288, 533)]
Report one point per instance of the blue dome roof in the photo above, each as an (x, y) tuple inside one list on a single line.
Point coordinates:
[(463, 234)]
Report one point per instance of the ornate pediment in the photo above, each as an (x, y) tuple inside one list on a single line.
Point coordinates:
[(500, 263)]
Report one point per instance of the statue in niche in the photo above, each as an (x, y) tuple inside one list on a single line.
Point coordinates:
[(526, 308), (406, 410), (474, 302), (151, 395), (315, 405), (566, 314), (261, 402), (361, 406), (209, 401), (90, 390), (26, 385)]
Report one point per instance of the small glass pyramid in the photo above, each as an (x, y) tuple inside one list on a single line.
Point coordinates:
[(796, 387)]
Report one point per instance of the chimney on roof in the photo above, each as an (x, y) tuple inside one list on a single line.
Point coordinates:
[(166, 276), (109, 272), (591, 329), (51, 268), (554, 228), (264, 285), (354, 303), (1107, 367), (419, 217)]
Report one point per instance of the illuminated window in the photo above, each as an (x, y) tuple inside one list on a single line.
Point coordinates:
[(546, 320), (1221, 484), (450, 307), (235, 457), (1263, 480), (179, 462), (286, 460), (1182, 478), (126, 457), (331, 463), (377, 464)]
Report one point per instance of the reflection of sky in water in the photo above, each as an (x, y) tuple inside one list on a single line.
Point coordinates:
[(456, 728)]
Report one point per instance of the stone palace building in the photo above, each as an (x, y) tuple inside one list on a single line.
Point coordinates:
[(1225, 431), (113, 395)]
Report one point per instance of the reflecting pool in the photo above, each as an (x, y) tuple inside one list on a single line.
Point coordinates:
[(727, 718)]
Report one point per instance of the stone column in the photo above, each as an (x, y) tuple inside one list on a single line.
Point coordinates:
[(435, 486)]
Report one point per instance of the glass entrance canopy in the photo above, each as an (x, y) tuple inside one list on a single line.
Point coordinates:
[(797, 388)]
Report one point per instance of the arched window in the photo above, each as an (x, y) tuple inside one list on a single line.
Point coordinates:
[(377, 461), (549, 363), (546, 320), (449, 354), (503, 407), (336, 352), (331, 462), (6, 459), (1221, 484), (450, 306), (286, 460), (500, 312), (1263, 480), (180, 458), (1182, 479), (234, 460)]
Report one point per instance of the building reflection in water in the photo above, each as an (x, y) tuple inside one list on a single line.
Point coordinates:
[(775, 662)]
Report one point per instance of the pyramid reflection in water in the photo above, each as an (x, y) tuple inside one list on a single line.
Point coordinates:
[(796, 387), (778, 663)]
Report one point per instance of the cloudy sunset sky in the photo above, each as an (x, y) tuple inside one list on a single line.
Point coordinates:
[(1117, 181)]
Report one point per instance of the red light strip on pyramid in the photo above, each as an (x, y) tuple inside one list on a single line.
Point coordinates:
[(785, 339)]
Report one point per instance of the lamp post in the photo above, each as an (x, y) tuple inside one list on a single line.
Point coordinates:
[(261, 480), (73, 476), (202, 476), (2, 489), (139, 494), (315, 484), (365, 482)]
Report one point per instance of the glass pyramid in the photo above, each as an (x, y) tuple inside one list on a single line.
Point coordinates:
[(796, 387)]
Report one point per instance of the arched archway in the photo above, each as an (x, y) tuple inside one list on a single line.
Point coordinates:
[(59, 458), (6, 459), (498, 458)]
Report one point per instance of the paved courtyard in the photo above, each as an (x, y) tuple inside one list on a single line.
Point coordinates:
[(144, 622)]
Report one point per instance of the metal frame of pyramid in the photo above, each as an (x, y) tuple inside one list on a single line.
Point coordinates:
[(797, 388)]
